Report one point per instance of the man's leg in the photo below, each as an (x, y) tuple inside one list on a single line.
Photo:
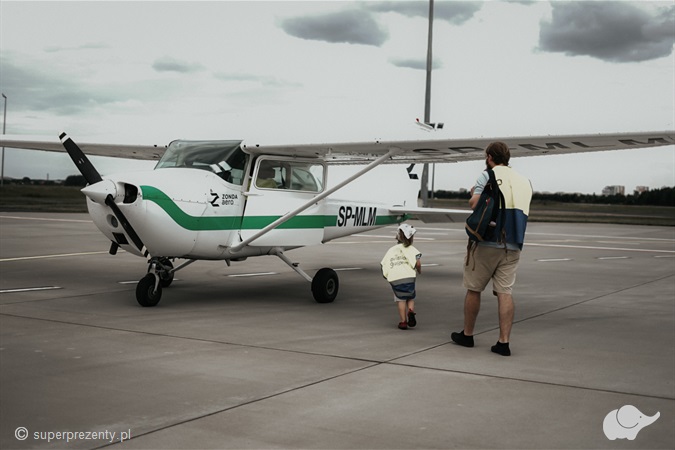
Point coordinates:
[(506, 313), (471, 309)]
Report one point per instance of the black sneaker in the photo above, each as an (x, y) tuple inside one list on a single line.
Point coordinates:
[(411, 319), (501, 349), (462, 339)]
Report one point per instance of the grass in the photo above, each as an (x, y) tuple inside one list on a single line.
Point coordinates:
[(28, 198)]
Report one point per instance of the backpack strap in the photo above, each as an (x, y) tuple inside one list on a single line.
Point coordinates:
[(471, 247), (499, 213)]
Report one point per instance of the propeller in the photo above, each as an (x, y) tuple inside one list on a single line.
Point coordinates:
[(92, 177), (86, 168)]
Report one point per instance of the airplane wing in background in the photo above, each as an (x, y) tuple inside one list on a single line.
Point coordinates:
[(433, 215), (412, 151)]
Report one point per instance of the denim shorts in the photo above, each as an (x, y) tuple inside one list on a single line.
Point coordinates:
[(404, 291)]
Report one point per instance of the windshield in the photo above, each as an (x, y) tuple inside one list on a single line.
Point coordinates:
[(224, 158)]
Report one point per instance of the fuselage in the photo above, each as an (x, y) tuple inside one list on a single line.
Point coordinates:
[(204, 197)]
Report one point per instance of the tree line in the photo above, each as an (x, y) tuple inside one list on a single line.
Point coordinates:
[(656, 197)]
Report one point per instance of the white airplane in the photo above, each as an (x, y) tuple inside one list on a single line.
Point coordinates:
[(229, 200)]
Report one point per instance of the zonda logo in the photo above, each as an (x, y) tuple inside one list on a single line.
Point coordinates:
[(360, 216)]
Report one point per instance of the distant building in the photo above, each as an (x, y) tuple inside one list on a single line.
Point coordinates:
[(614, 190), (640, 189)]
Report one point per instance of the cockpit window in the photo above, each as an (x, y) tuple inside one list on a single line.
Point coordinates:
[(224, 158)]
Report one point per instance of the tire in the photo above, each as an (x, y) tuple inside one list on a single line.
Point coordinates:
[(325, 285), (146, 295)]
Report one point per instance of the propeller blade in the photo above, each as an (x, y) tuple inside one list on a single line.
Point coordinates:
[(92, 176), (110, 201), (86, 168)]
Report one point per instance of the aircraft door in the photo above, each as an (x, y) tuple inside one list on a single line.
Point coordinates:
[(279, 186)]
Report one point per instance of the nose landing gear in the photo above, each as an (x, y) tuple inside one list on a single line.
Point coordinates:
[(160, 275)]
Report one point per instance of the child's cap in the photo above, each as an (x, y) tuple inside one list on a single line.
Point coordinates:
[(408, 230)]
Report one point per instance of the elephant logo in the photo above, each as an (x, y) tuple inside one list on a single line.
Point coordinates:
[(626, 422)]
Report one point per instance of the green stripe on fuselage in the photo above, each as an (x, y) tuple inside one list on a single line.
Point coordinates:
[(221, 223)]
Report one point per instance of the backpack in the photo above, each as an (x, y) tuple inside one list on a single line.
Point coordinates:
[(481, 225)]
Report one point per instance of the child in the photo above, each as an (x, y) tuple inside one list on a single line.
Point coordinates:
[(400, 267)]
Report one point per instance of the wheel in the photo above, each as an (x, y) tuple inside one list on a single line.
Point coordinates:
[(325, 285), (145, 291)]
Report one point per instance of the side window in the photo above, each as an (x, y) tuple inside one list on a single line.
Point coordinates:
[(291, 175), (304, 178)]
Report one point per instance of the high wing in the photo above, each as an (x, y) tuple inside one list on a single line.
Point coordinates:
[(142, 152), (408, 151), (456, 150)]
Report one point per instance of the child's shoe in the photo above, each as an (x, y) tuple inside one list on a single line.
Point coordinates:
[(411, 319)]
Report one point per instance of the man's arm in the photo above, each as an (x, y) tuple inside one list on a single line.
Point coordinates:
[(478, 189), (473, 201)]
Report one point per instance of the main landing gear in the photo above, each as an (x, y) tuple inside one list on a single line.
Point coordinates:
[(325, 284)]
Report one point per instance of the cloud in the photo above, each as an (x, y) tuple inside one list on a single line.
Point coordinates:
[(169, 64), (89, 46), (414, 63), (610, 31), (349, 27), (264, 80), (453, 12), (33, 89)]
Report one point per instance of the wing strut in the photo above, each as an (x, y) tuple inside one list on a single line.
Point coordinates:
[(314, 200)]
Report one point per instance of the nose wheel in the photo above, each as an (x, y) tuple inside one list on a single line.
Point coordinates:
[(149, 288)]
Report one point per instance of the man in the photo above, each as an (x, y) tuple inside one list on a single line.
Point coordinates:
[(496, 259)]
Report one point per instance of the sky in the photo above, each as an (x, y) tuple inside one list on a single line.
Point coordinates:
[(336, 71)]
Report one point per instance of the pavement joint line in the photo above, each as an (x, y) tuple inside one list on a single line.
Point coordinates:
[(19, 302), (188, 338), (546, 383), (230, 408), (591, 299)]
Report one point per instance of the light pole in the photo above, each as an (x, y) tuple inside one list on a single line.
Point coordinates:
[(4, 125), (427, 104)]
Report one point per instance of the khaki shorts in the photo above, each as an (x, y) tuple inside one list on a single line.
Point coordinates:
[(489, 263)]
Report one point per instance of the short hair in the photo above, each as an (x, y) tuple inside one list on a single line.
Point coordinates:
[(499, 151)]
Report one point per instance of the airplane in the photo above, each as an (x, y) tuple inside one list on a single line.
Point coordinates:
[(230, 200)]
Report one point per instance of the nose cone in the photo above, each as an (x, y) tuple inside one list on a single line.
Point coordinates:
[(98, 192)]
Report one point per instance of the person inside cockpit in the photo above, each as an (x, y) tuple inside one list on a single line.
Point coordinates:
[(266, 176)]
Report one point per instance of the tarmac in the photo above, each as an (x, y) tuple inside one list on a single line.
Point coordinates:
[(242, 357)]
